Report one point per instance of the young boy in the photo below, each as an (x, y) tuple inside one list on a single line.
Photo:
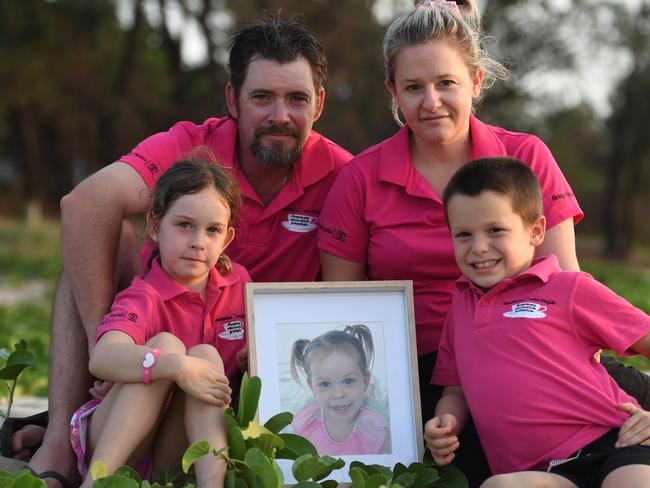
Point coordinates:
[(519, 342)]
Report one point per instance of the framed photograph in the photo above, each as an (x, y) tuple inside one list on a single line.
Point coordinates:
[(340, 356)]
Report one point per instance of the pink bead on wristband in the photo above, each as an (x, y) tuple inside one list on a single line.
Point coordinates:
[(148, 363)]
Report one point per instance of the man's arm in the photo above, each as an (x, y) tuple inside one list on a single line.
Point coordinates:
[(92, 215)]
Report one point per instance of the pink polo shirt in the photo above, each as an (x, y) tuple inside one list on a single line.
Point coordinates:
[(276, 242), (523, 354), (156, 303), (381, 211)]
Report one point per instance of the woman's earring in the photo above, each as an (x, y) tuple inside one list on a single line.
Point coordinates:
[(154, 237)]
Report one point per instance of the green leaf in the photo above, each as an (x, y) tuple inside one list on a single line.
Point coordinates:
[(98, 470), (295, 446), (249, 397), (329, 483), (16, 363), (128, 472), (373, 469), (313, 467), (194, 452), (398, 469), (278, 422), (114, 481), (21, 344), (236, 446), (358, 477), (426, 477), (377, 480), (405, 479), (451, 477), (229, 482), (25, 479), (263, 467)]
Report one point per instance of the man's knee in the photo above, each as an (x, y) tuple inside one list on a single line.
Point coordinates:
[(207, 352), (167, 342)]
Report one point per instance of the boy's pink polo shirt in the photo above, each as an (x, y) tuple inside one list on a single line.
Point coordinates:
[(381, 211), (276, 242), (523, 354), (156, 303)]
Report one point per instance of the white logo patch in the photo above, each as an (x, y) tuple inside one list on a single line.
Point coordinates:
[(233, 330), (300, 223), (529, 310)]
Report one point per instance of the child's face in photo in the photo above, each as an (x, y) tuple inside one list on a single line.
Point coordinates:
[(338, 383), (491, 241), (192, 235)]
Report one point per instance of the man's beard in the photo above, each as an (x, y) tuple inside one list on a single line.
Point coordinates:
[(276, 155)]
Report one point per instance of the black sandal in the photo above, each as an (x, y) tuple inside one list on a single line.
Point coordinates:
[(13, 424)]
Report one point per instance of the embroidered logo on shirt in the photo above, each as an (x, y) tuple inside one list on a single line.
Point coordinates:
[(233, 330), (300, 223), (529, 310)]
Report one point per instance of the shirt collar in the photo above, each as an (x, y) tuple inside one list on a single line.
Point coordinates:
[(485, 143), (395, 158), (397, 148), (168, 288), (541, 269)]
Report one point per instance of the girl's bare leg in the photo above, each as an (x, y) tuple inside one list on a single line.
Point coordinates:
[(205, 422), (123, 426), (632, 476), (528, 479)]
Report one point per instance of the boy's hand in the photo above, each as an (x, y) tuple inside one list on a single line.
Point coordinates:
[(635, 430), (203, 380), (242, 359), (441, 439)]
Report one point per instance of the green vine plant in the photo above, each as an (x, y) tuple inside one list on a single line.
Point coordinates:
[(15, 363), (252, 454)]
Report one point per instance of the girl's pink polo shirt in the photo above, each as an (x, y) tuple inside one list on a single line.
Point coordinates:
[(276, 242), (381, 211), (156, 303), (524, 354)]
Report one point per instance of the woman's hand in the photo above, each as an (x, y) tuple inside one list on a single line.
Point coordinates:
[(440, 436), (203, 380), (635, 430)]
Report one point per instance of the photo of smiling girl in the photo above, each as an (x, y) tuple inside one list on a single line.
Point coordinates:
[(342, 418)]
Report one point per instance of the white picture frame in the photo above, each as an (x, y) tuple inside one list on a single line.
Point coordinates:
[(278, 314)]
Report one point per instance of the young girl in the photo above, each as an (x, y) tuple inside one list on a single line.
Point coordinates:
[(181, 324), (341, 419)]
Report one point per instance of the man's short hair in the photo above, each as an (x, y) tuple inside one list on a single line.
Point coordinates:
[(507, 176), (276, 40)]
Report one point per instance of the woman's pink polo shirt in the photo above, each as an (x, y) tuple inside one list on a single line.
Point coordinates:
[(156, 303), (381, 211)]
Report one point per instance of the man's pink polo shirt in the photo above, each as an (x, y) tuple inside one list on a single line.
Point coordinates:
[(276, 242), (156, 303), (382, 212), (523, 353)]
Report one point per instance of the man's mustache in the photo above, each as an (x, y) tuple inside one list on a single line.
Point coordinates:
[(277, 130)]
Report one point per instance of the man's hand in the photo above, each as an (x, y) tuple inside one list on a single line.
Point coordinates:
[(440, 436), (636, 429), (203, 380)]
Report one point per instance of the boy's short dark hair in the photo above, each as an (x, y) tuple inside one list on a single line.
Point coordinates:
[(277, 40), (507, 176)]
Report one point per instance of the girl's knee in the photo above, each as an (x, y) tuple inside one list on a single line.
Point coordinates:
[(498, 481), (207, 352), (167, 342)]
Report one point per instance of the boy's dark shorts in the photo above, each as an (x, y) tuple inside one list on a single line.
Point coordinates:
[(591, 465)]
